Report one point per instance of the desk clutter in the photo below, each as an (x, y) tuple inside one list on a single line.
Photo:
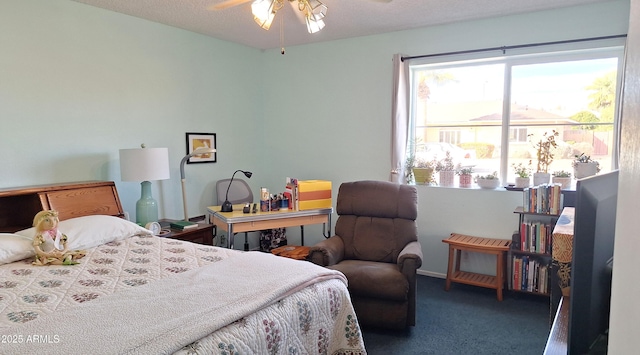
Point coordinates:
[(298, 195), (271, 239)]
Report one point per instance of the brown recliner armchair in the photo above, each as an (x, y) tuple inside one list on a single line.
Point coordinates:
[(376, 247)]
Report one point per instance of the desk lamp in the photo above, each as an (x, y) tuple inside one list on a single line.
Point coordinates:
[(145, 164), (196, 152), (226, 205)]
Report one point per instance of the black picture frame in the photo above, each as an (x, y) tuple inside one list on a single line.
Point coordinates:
[(196, 140)]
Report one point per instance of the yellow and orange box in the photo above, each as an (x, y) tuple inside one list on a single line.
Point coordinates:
[(313, 194)]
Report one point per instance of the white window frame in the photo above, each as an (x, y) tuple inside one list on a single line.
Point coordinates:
[(522, 56)]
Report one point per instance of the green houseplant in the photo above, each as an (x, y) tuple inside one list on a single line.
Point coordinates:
[(562, 177), (423, 171), (523, 174), (446, 170), (465, 176), (584, 166), (490, 181), (544, 156)]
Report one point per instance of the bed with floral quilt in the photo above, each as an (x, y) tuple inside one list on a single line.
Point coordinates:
[(136, 293)]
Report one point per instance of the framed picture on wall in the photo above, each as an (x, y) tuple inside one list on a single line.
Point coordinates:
[(199, 140)]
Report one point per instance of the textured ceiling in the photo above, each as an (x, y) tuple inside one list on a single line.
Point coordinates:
[(345, 18)]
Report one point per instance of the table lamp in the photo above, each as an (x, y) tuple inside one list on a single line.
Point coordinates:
[(226, 205), (145, 164), (196, 152)]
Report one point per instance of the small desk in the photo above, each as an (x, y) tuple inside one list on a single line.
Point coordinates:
[(237, 221)]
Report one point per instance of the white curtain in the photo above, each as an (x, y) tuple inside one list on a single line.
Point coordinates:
[(399, 118)]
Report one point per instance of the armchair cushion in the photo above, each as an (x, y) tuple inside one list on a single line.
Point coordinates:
[(327, 252), (410, 258), (376, 219), (374, 280)]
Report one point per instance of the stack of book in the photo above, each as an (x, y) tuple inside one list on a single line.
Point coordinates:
[(529, 274), (535, 237), (182, 225), (543, 199)]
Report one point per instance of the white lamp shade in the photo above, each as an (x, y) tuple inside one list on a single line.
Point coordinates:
[(144, 164)]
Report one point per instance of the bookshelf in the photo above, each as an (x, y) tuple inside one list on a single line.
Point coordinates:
[(529, 258)]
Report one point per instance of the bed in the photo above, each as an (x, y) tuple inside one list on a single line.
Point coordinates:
[(137, 293)]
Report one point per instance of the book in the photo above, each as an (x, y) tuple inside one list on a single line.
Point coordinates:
[(182, 225), (517, 273)]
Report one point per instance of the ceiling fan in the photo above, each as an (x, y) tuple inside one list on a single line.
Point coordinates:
[(265, 10), (231, 3)]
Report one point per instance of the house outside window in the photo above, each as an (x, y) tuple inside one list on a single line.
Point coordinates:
[(518, 134), (489, 112)]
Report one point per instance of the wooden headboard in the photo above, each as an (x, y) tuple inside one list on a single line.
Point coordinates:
[(19, 205)]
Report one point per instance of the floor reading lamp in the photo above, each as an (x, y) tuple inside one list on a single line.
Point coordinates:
[(196, 152)]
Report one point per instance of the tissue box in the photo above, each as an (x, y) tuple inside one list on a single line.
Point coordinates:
[(313, 194)]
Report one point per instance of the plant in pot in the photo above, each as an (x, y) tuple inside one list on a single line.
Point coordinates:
[(490, 181), (423, 171), (561, 177), (465, 176), (584, 166), (544, 156), (523, 174), (408, 168), (446, 170)]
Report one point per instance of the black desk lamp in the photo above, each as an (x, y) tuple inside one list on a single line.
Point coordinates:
[(226, 205)]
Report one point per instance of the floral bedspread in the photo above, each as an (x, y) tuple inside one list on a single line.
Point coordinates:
[(318, 319)]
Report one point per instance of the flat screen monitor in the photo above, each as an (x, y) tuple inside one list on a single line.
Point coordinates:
[(594, 233)]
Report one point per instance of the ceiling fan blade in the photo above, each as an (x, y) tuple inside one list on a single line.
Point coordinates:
[(227, 4)]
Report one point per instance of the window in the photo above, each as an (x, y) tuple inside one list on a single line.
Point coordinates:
[(518, 134), (491, 111), (450, 136)]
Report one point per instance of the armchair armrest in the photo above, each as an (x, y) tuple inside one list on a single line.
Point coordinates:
[(410, 258), (327, 252)]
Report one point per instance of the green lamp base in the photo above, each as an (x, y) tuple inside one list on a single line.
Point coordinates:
[(146, 207)]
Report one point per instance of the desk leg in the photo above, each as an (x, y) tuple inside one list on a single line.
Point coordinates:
[(324, 227), (230, 235)]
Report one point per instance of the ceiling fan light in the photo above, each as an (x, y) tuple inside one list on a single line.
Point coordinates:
[(314, 26), (318, 9), (264, 11)]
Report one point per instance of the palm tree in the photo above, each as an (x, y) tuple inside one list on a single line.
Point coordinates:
[(603, 96)]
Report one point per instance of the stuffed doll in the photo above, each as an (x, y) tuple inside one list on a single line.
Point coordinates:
[(50, 244)]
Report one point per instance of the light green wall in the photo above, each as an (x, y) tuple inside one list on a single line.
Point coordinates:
[(333, 99), (78, 83)]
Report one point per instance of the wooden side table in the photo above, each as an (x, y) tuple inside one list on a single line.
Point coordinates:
[(202, 234), (460, 242)]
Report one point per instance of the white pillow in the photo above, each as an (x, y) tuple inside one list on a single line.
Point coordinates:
[(15, 247), (91, 231)]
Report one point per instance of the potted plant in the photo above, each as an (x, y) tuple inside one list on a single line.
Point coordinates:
[(408, 168), (523, 174), (584, 166), (446, 170), (465, 176), (562, 177), (490, 181), (544, 156), (423, 171)]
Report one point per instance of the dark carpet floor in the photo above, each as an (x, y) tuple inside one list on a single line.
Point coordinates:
[(467, 320)]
